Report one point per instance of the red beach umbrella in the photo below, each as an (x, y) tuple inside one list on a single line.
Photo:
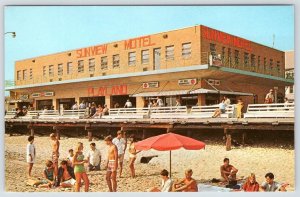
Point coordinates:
[(169, 142)]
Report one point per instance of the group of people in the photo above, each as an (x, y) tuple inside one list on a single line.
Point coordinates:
[(226, 102), (72, 169), (228, 175), (92, 110)]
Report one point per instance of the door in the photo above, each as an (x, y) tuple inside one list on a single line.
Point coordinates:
[(156, 53)]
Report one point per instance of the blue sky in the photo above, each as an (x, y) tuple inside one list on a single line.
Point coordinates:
[(43, 30)]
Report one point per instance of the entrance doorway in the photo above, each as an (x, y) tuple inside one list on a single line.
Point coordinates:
[(41, 104), (156, 59), (121, 100), (66, 103)]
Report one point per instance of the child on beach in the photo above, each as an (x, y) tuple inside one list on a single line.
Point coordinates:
[(30, 154)]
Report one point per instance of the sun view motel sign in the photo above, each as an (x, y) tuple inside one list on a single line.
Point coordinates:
[(144, 41)]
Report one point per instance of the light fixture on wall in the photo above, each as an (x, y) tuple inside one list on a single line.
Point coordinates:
[(69, 54), (165, 36), (33, 60), (115, 45)]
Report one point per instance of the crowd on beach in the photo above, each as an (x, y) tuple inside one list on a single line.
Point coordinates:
[(71, 172)]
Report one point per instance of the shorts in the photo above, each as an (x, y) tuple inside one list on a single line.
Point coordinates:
[(55, 157), (111, 166), (222, 111), (70, 181), (132, 155), (121, 157), (28, 159)]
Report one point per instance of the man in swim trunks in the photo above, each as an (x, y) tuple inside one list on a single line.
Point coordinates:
[(66, 176), (112, 165), (228, 172), (188, 184), (55, 153), (121, 142)]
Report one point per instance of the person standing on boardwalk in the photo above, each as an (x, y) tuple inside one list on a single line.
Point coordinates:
[(121, 144), (270, 97), (30, 154), (112, 165), (55, 153)]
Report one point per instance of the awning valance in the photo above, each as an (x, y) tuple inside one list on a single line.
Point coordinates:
[(162, 93)]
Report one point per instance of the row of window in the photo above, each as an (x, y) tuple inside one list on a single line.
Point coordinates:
[(186, 52), (249, 60), (24, 74)]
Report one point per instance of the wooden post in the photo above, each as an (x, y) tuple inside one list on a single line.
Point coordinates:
[(228, 139), (144, 134), (90, 135), (244, 136), (57, 133), (31, 131)]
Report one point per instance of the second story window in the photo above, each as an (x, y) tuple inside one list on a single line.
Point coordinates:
[(265, 64), (271, 64), (60, 69), (278, 67), (246, 59), (80, 66), (116, 61), (229, 56), (104, 62), (186, 50), (69, 68), (24, 74), (18, 75), (236, 57), (131, 58), (170, 52), (92, 65), (258, 61), (212, 49), (145, 56), (252, 60), (51, 70), (44, 71), (30, 74)]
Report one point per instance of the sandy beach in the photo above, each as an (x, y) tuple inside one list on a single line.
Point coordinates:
[(205, 164)]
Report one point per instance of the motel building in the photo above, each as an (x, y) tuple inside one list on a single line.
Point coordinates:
[(197, 65)]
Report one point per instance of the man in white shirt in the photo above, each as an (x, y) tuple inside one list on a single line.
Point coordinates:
[(121, 144), (75, 106), (227, 101), (159, 102), (272, 186), (128, 104), (94, 158), (166, 183)]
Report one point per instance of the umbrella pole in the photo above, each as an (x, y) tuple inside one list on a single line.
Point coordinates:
[(170, 165)]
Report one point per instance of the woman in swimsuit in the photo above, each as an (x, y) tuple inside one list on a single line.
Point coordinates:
[(79, 169), (132, 156)]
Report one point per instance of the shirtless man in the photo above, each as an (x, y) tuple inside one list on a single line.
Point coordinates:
[(112, 165), (228, 172), (55, 153), (66, 176), (188, 184)]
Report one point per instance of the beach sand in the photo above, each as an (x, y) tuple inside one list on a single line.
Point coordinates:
[(205, 164)]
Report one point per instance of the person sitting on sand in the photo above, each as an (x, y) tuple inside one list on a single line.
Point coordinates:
[(166, 183), (188, 184), (220, 110), (70, 158), (228, 172), (30, 154), (251, 185), (270, 185), (48, 174), (66, 176)]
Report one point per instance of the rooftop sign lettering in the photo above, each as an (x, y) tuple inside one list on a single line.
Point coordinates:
[(91, 51), (226, 39), (144, 41)]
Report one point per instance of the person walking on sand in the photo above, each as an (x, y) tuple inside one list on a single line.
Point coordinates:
[(132, 155), (112, 165), (121, 144), (228, 172), (30, 154), (79, 169), (55, 153), (188, 184)]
